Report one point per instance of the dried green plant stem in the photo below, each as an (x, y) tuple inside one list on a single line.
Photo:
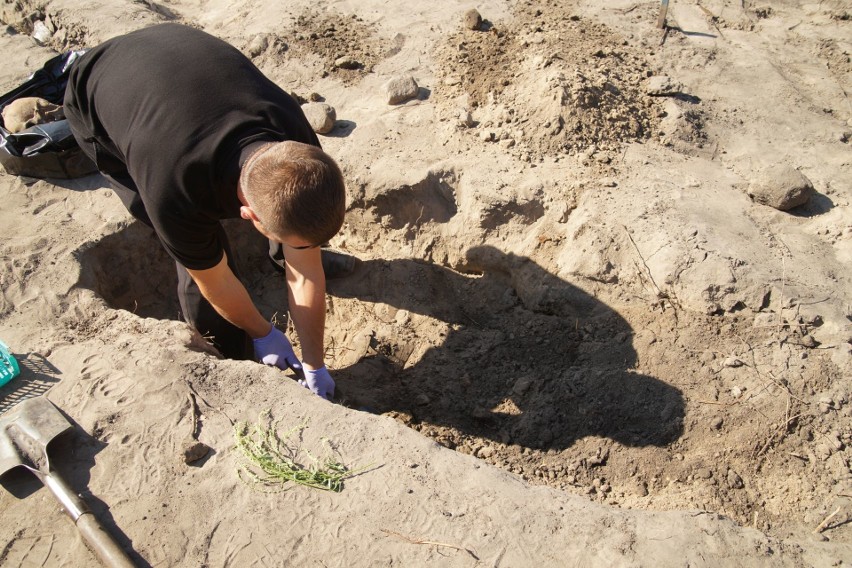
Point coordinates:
[(271, 460)]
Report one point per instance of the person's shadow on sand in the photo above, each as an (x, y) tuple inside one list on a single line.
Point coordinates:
[(529, 359)]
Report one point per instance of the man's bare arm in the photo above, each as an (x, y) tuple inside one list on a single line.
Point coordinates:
[(230, 299), (306, 293)]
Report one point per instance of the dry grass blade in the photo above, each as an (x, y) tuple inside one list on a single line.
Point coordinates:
[(432, 542), (271, 460)]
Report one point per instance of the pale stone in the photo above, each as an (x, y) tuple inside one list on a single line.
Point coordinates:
[(782, 187), (321, 116), (472, 20), (347, 62), (258, 45), (400, 89)]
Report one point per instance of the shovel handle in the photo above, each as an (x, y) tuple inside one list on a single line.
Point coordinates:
[(96, 536), (101, 543)]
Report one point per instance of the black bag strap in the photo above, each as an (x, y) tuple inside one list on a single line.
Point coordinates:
[(48, 82)]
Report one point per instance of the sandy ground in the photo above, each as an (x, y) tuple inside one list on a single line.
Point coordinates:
[(574, 338)]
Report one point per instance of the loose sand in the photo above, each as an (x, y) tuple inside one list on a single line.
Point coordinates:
[(574, 339)]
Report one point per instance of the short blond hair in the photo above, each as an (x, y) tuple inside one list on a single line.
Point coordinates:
[(296, 190)]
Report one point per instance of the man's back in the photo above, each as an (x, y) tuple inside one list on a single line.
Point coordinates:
[(175, 107)]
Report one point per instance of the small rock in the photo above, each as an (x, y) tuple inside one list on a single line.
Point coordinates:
[(41, 34), (466, 119), (193, 450), (809, 342), (522, 385), (704, 473), (834, 439), (472, 20), (400, 89), (347, 62), (258, 45), (661, 86), (486, 452), (782, 187), (737, 392), (402, 317), (716, 423), (734, 480), (298, 98), (423, 399), (315, 98), (321, 117), (732, 362)]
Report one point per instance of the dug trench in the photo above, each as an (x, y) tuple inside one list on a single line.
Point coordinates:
[(622, 401)]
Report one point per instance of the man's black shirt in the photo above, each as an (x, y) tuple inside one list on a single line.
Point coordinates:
[(176, 107)]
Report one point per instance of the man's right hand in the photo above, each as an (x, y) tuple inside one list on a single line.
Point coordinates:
[(275, 349)]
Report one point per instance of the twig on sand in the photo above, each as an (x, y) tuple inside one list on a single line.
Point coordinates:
[(649, 276), (432, 542), (196, 397), (822, 526), (779, 432), (713, 19)]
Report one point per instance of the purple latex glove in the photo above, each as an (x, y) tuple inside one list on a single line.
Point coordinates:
[(320, 382), (275, 349)]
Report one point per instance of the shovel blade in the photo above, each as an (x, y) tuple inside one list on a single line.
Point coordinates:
[(25, 432)]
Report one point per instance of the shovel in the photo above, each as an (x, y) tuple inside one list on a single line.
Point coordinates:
[(664, 9), (25, 432)]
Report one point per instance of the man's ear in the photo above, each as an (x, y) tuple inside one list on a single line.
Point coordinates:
[(248, 214)]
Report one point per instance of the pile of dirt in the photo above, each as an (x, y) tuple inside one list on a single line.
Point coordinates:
[(549, 82), (347, 46)]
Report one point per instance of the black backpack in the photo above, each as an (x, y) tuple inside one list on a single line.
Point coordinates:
[(45, 150)]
